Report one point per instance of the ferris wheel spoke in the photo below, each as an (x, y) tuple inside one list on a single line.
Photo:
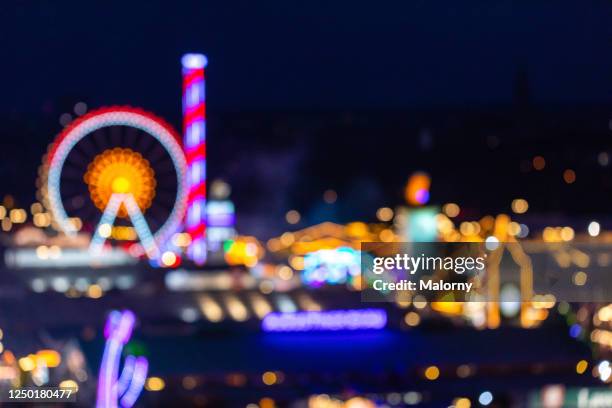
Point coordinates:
[(72, 172), (131, 136), (157, 154), (98, 140), (77, 159), (114, 136), (86, 148), (144, 143)]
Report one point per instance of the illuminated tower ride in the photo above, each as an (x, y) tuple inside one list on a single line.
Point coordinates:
[(194, 127)]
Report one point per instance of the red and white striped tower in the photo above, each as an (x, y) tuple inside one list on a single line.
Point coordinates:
[(194, 127)]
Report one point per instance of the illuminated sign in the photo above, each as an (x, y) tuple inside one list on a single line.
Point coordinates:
[(331, 266), (417, 224), (221, 219), (331, 320)]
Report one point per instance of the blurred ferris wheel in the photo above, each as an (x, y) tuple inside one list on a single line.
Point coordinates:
[(120, 169)]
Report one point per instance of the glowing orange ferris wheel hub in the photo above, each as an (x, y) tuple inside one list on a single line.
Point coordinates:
[(120, 171)]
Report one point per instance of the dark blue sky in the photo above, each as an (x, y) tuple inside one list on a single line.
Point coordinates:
[(316, 54), (456, 57)]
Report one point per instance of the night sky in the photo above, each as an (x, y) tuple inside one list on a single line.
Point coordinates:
[(287, 55), (316, 58)]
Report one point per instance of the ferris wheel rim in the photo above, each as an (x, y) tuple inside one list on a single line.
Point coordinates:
[(129, 116)]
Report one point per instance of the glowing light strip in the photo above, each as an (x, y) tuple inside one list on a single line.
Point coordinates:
[(332, 320), (118, 116), (194, 141), (140, 224), (126, 375), (141, 366), (108, 218), (118, 330)]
